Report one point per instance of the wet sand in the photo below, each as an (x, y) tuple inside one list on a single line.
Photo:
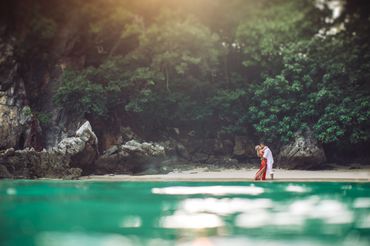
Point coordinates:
[(204, 174)]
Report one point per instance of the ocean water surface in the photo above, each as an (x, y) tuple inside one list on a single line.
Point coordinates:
[(48, 213)]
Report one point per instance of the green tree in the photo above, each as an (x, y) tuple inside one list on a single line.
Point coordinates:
[(270, 28), (181, 55), (320, 87)]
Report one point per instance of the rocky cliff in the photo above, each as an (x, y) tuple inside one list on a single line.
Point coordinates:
[(39, 41)]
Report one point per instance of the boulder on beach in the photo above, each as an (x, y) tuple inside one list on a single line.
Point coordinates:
[(304, 152), (66, 160), (131, 157)]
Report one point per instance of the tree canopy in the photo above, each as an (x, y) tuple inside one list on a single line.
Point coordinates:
[(266, 68)]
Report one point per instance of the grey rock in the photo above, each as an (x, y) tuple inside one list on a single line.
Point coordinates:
[(14, 115), (71, 146), (131, 157), (9, 152), (304, 153), (85, 133), (127, 134), (4, 173), (209, 146), (227, 147), (243, 147), (176, 130), (182, 152), (213, 160), (112, 150), (73, 173), (63, 161), (11, 123), (230, 162), (199, 158), (145, 148)]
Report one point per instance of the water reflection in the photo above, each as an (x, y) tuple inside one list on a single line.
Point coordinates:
[(11, 191), (296, 188), (223, 206), (361, 202), (191, 221), (257, 213), (332, 212), (209, 190), (364, 222), (80, 238), (131, 222), (257, 219), (107, 239)]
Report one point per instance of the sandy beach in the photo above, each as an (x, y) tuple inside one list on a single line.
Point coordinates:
[(204, 174)]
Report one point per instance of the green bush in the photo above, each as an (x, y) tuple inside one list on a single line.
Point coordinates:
[(78, 95), (43, 118)]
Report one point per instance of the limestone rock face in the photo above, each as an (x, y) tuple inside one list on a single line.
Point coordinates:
[(182, 152), (14, 114), (13, 123), (66, 160), (28, 163), (85, 133), (145, 148), (243, 147), (82, 148), (304, 153), (4, 173), (131, 157), (208, 146), (199, 158), (111, 137)]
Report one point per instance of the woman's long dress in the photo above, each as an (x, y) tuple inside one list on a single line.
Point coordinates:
[(261, 173)]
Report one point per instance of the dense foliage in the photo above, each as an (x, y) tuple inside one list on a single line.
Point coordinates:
[(267, 68)]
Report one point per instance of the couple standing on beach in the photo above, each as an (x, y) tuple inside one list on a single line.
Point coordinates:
[(266, 162)]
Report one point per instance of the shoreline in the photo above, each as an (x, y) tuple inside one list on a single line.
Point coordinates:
[(240, 175)]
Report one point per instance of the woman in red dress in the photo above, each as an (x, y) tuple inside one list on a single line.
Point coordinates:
[(261, 173)]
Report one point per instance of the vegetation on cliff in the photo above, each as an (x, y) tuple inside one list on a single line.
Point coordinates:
[(263, 68)]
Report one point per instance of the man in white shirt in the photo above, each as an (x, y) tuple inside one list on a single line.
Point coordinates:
[(270, 160)]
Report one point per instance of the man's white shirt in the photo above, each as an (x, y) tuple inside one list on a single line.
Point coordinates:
[(270, 160)]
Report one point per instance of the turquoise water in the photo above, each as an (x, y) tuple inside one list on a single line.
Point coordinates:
[(48, 213)]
